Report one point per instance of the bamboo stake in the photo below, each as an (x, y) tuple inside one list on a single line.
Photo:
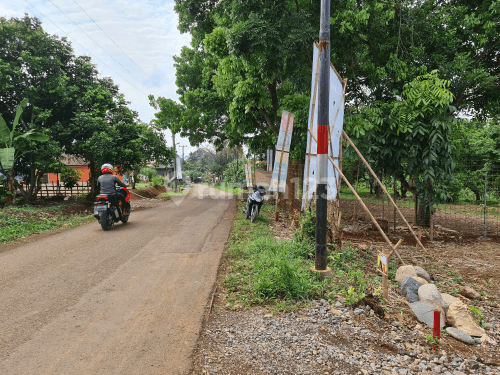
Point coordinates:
[(383, 188), (394, 186), (369, 214), (357, 182), (305, 193)]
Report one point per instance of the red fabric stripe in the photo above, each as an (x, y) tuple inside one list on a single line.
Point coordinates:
[(322, 139)]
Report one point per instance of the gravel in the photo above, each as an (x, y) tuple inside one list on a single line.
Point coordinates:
[(315, 341)]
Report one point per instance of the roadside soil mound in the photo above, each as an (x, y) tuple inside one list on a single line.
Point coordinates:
[(149, 192)]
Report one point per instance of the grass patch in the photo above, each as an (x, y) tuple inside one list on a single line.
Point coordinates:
[(262, 270), (19, 222)]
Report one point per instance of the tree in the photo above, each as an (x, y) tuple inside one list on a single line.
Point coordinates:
[(10, 152), (36, 66), (412, 137), (241, 71)]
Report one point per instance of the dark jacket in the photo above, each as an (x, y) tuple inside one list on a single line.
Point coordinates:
[(106, 183)]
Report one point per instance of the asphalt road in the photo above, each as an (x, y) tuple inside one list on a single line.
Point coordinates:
[(127, 301)]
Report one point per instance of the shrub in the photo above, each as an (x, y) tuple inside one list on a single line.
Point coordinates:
[(156, 181), (70, 177), (148, 172)]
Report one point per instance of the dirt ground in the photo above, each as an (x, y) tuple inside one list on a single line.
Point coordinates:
[(312, 340), (126, 301)]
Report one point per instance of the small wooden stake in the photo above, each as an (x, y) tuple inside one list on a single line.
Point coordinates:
[(385, 286)]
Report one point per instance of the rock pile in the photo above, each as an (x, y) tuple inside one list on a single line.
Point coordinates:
[(424, 298)]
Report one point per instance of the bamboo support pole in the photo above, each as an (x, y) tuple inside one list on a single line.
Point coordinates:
[(374, 221), (394, 186), (384, 189)]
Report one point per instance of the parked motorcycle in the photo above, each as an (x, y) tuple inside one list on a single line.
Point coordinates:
[(254, 203), (109, 211)]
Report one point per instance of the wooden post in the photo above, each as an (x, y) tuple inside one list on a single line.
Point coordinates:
[(383, 206), (431, 220), (385, 286), (383, 188), (369, 214), (416, 209), (394, 200), (357, 182)]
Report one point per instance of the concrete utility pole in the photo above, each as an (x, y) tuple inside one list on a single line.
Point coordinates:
[(183, 152), (175, 162), (320, 263)]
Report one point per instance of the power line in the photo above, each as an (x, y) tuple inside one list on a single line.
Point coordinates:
[(97, 44), (119, 48), (119, 75)]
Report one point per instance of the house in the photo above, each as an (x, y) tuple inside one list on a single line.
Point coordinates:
[(74, 162)]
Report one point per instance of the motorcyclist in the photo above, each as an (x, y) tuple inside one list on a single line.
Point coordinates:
[(106, 185)]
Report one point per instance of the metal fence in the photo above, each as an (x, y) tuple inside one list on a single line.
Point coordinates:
[(471, 210)]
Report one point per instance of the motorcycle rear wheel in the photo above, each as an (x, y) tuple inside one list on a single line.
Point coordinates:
[(247, 212), (105, 221), (125, 218)]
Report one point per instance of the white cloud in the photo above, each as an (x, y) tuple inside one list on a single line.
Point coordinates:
[(146, 30)]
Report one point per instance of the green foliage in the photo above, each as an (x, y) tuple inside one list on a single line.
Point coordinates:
[(307, 223), (433, 341), (148, 172), (235, 172), (10, 151), (18, 222), (70, 176), (83, 114), (157, 181), (477, 315)]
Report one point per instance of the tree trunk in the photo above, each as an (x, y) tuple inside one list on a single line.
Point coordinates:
[(423, 214), (134, 179), (93, 178), (10, 189)]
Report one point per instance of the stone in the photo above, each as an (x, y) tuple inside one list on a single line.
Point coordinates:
[(459, 316), (335, 312), (430, 292), (405, 271), (470, 293), (409, 289), (448, 300), (424, 311), (422, 273), (420, 280), (460, 336)]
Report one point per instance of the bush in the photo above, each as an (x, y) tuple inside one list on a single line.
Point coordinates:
[(156, 181), (70, 177), (148, 172), (235, 172)]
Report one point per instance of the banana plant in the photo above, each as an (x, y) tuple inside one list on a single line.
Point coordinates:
[(7, 139)]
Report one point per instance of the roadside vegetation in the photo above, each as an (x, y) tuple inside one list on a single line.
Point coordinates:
[(19, 222), (263, 270)]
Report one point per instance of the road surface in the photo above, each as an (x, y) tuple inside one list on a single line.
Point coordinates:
[(127, 301)]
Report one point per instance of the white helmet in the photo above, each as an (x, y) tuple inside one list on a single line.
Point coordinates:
[(107, 168)]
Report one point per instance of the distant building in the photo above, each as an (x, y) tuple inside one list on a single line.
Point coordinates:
[(74, 162)]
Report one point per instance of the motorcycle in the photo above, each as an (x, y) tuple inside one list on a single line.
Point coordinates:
[(109, 211), (254, 203)]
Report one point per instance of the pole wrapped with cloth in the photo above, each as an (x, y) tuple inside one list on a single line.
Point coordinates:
[(320, 263)]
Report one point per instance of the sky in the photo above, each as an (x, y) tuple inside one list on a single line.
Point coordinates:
[(137, 55)]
